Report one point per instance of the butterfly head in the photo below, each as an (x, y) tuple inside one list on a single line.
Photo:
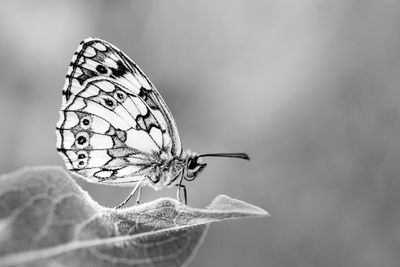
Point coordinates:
[(193, 167), (194, 164)]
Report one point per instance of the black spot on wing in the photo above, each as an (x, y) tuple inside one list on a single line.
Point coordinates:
[(81, 140), (146, 122), (67, 93), (101, 69), (140, 125), (144, 94), (121, 69), (87, 74)]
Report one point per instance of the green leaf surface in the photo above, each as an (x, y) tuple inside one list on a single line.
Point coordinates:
[(46, 219)]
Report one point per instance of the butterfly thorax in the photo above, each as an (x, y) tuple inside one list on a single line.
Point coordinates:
[(168, 170), (164, 170)]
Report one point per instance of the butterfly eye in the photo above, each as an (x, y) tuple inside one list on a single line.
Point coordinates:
[(82, 140), (193, 168), (86, 122), (101, 69), (192, 164)]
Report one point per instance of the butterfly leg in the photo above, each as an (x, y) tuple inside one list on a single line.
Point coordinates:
[(132, 193), (179, 193), (138, 195)]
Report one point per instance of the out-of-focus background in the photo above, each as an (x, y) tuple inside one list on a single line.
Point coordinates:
[(310, 89)]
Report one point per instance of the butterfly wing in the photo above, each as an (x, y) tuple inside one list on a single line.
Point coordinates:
[(113, 125)]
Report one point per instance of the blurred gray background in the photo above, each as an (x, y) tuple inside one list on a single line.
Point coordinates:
[(308, 88)]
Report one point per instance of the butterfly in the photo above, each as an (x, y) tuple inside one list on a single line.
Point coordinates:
[(115, 128)]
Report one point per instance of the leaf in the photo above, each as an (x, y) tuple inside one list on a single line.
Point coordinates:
[(46, 219)]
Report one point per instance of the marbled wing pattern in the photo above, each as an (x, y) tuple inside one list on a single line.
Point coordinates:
[(114, 126)]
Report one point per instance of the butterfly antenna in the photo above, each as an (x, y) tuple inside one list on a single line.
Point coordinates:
[(227, 155)]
